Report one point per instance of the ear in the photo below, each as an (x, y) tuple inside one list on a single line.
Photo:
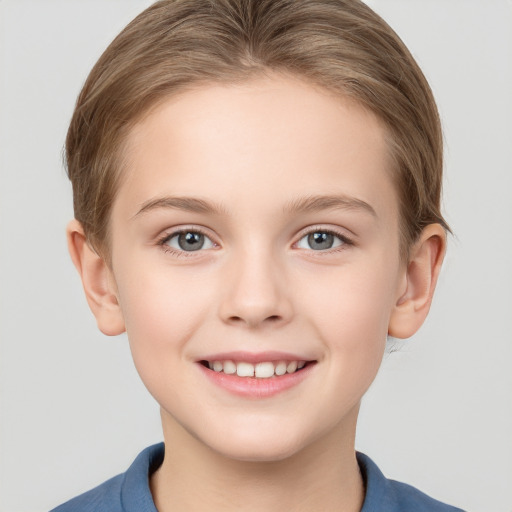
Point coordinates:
[(98, 281), (420, 278)]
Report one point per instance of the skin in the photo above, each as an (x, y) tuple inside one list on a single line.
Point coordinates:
[(254, 150)]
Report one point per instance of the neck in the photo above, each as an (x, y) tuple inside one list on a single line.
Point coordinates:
[(323, 476)]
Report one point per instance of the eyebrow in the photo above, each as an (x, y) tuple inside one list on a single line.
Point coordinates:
[(189, 204), (308, 204), (311, 204)]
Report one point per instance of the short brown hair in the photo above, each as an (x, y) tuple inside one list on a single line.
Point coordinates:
[(341, 45)]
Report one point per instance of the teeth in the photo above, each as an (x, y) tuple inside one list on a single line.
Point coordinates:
[(245, 370), (291, 367), (263, 370), (229, 367), (280, 368)]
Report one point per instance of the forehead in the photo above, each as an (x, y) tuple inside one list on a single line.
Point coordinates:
[(275, 138)]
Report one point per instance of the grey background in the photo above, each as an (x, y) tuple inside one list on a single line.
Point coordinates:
[(72, 409)]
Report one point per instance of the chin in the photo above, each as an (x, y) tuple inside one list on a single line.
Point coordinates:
[(255, 445), (258, 451)]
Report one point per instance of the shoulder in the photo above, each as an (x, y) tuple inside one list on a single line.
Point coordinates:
[(410, 498), (105, 497), (127, 492), (384, 495)]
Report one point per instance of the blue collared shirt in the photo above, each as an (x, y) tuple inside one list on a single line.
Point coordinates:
[(129, 492)]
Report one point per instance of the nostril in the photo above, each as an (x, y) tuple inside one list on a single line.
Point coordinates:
[(271, 319)]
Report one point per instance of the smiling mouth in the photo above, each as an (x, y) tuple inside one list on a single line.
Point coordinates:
[(263, 370)]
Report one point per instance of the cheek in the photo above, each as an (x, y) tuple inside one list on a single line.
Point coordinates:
[(350, 308), (162, 311), (351, 298), (352, 328)]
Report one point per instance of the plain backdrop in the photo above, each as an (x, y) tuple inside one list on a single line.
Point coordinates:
[(73, 412)]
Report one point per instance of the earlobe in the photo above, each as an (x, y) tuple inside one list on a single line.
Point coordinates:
[(413, 303), (97, 280)]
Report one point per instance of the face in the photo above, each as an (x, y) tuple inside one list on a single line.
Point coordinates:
[(255, 255)]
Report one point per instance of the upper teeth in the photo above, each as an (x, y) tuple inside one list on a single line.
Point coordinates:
[(263, 370)]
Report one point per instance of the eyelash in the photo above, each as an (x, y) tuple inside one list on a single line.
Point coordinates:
[(345, 240), (162, 242)]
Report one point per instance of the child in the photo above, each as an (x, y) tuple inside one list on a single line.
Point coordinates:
[(256, 188)]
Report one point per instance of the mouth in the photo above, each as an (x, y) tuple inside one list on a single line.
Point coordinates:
[(256, 376), (259, 370)]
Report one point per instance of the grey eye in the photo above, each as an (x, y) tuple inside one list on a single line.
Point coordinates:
[(320, 241), (189, 241)]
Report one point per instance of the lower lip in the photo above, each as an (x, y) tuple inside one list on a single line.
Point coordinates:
[(252, 387)]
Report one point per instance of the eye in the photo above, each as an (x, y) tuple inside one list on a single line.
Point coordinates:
[(322, 240), (188, 241)]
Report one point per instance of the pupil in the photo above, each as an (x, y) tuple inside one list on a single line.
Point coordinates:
[(191, 241), (320, 240)]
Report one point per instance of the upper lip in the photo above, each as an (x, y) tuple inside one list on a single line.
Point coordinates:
[(255, 357)]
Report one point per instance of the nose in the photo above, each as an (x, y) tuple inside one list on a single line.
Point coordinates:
[(256, 292)]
